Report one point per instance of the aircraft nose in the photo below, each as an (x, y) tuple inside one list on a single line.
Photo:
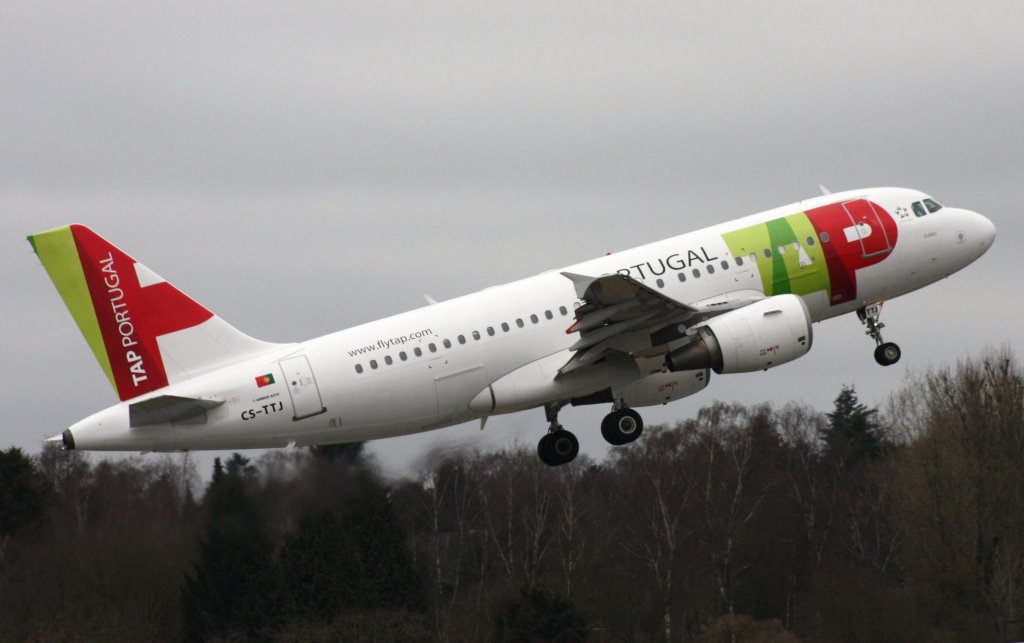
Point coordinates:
[(986, 230)]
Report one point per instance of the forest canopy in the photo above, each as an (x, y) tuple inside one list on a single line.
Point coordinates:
[(854, 523)]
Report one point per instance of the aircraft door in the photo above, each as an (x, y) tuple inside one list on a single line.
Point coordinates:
[(302, 387), (867, 228)]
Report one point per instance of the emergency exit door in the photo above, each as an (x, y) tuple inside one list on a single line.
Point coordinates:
[(302, 387)]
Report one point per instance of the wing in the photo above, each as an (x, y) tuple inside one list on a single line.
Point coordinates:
[(620, 315)]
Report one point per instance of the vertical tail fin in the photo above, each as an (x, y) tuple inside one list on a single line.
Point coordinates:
[(144, 332)]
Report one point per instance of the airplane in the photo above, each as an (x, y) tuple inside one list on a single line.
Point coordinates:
[(636, 328)]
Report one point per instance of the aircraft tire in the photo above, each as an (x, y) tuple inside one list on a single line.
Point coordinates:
[(558, 448), (542, 450), (622, 427), (888, 354)]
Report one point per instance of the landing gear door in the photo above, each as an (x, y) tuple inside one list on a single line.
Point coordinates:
[(867, 228), (302, 387)]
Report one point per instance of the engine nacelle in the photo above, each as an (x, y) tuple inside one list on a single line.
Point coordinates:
[(753, 338)]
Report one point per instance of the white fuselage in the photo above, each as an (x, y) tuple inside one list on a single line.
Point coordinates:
[(431, 367)]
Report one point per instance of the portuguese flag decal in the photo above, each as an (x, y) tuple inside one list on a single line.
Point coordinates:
[(265, 380)]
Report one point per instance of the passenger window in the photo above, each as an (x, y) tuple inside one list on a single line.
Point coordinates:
[(519, 322), (824, 237), (739, 261), (402, 356), (768, 253), (534, 319), (918, 208), (933, 206), (682, 276), (476, 333), (710, 269), (548, 315), (490, 331), (359, 368), (725, 264), (417, 352), (447, 344), (661, 284), (432, 347), (782, 250), (462, 339), (796, 246), (562, 310), (753, 257), (373, 363), (504, 326), (388, 360), (810, 241), (696, 273)]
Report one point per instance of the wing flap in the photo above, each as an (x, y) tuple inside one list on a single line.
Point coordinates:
[(619, 315)]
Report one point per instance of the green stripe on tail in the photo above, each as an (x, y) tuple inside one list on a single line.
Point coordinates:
[(57, 251)]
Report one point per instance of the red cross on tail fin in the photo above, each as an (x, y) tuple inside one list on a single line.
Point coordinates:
[(144, 332)]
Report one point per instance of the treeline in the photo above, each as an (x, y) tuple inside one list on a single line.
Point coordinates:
[(743, 523)]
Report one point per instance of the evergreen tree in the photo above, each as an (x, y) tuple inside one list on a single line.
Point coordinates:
[(853, 429), (382, 554), (234, 586), (349, 453), (23, 492), (538, 615), (319, 567), (238, 465)]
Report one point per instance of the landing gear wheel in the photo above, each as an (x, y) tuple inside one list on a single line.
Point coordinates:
[(542, 451), (622, 426), (887, 354), (558, 448)]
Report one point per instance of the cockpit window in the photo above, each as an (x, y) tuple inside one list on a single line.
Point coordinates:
[(932, 205), (918, 208)]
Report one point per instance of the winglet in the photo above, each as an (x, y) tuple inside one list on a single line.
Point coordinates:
[(824, 190)]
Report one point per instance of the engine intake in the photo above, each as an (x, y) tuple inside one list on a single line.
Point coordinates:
[(757, 337)]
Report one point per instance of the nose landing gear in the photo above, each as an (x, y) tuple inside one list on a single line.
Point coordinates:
[(886, 353)]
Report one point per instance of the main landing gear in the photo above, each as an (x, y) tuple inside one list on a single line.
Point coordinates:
[(558, 446), (886, 353), (622, 426)]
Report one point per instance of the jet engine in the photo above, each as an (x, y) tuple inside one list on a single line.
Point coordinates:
[(756, 337)]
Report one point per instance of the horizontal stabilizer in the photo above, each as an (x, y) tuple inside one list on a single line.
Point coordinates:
[(171, 409)]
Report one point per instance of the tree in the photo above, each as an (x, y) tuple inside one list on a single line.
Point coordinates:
[(381, 553), (853, 430), (23, 492), (959, 494), (319, 569), (234, 586), (538, 615)]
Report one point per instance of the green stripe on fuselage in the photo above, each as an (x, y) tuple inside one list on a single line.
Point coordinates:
[(57, 251), (797, 269)]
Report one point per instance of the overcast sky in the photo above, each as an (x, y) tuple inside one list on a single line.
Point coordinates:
[(303, 167)]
